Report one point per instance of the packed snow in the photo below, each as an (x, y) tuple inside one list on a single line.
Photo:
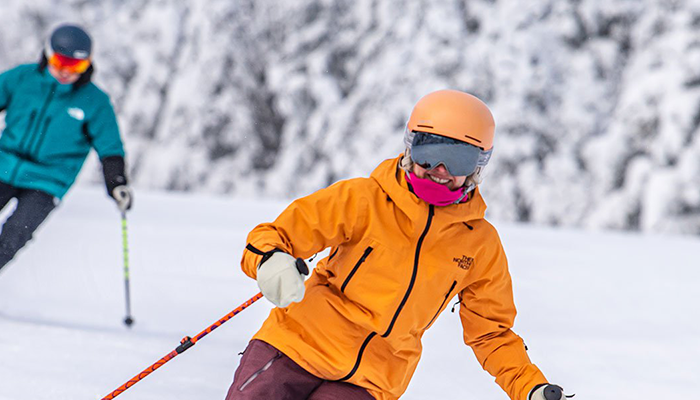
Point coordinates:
[(596, 102), (608, 316)]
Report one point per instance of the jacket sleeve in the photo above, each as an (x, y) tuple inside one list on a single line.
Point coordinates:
[(309, 225), (7, 78), (103, 131), (487, 312)]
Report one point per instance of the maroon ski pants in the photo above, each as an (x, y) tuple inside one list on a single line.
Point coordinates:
[(266, 373)]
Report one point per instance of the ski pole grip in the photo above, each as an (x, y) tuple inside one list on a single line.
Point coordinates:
[(302, 267), (553, 392)]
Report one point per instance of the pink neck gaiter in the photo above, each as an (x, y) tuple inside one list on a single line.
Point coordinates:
[(435, 193)]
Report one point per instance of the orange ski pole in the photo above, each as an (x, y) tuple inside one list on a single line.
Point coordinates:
[(185, 344)]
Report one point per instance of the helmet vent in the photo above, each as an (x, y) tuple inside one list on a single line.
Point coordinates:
[(425, 126), (472, 138)]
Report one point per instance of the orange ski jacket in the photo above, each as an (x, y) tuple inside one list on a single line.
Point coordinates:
[(395, 262)]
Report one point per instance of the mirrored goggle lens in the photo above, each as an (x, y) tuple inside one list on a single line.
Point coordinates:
[(461, 159), (68, 64)]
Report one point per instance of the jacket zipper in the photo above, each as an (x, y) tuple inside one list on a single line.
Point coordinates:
[(431, 211), (447, 297), (260, 371), (415, 270), (356, 267)]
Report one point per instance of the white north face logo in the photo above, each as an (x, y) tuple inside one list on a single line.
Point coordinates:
[(76, 113), (80, 54)]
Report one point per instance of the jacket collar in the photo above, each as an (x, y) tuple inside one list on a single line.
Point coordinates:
[(47, 78), (392, 180)]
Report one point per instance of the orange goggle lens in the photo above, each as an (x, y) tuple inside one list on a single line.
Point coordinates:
[(68, 64)]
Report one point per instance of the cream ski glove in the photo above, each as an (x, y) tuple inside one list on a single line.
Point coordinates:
[(280, 278)]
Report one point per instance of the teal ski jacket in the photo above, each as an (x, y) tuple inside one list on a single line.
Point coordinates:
[(50, 129)]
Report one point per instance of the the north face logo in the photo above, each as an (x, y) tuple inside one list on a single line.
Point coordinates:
[(76, 113), (464, 262)]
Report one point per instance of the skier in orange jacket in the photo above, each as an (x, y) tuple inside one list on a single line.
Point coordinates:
[(402, 243)]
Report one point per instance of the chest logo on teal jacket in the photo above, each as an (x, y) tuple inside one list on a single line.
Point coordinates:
[(76, 113)]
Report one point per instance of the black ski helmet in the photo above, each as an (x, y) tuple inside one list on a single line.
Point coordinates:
[(71, 41)]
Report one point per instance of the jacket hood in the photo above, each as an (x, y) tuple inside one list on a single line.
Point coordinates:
[(392, 179)]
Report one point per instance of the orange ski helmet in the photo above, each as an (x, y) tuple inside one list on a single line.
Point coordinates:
[(445, 118), (454, 114)]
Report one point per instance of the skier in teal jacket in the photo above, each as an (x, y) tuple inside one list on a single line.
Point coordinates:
[(54, 115)]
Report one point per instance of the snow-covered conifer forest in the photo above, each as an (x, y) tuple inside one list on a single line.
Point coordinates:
[(597, 103), (229, 108)]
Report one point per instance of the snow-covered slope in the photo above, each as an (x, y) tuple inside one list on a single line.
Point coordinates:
[(596, 102), (608, 316)]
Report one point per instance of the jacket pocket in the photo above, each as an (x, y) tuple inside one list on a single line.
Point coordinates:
[(362, 259), (447, 297)]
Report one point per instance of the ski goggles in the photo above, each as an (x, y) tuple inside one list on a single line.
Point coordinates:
[(68, 64), (460, 158)]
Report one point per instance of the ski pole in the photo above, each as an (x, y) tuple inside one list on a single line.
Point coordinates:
[(188, 342), (185, 344), (125, 246)]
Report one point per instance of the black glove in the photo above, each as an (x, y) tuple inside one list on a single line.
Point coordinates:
[(115, 180)]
